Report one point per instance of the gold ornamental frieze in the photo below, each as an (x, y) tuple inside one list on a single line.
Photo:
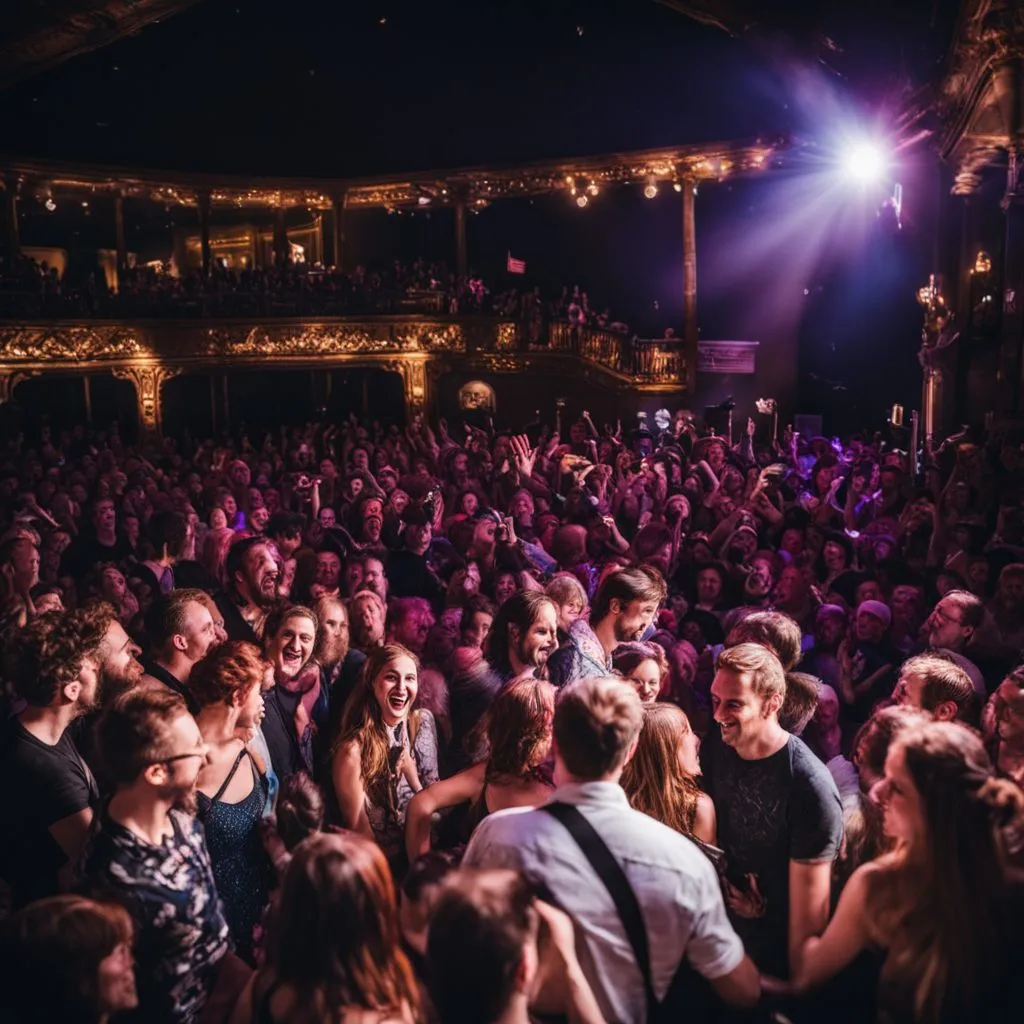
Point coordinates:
[(331, 339), (78, 343)]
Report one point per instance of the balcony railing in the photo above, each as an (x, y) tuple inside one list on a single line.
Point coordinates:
[(655, 361)]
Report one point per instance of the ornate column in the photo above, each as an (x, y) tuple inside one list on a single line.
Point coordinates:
[(690, 285), (122, 246), (461, 263), (414, 381), (148, 382), (203, 201), (338, 231), (10, 379), (280, 236), (9, 217)]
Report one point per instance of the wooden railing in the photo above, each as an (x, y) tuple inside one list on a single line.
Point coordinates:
[(654, 361)]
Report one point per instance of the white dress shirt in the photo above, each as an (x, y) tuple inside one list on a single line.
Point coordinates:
[(675, 885)]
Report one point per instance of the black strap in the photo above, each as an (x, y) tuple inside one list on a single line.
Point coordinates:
[(608, 869), (231, 774)]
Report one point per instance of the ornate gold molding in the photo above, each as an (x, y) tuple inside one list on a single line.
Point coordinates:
[(9, 381), (76, 343), (331, 339), (148, 382)]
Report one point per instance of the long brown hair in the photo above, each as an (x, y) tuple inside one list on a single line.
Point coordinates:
[(519, 729), (334, 937), (53, 949), (653, 779), (362, 721), (942, 901)]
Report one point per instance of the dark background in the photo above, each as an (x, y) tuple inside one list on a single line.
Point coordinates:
[(790, 257)]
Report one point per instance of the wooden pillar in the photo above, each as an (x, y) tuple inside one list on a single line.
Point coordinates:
[(319, 241), (227, 404), (213, 403), (280, 236), (122, 245), (9, 218), (148, 382), (203, 199), (87, 391), (690, 285), (461, 263), (338, 232)]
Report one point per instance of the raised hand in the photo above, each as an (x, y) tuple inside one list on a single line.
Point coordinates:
[(525, 456)]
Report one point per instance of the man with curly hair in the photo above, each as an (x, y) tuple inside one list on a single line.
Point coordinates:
[(116, 653), (50, 796)]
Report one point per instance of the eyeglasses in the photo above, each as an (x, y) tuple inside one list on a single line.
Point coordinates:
[(947, 618), (183, 757)]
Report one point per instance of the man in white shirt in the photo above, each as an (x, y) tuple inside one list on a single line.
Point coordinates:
[(597, 722)]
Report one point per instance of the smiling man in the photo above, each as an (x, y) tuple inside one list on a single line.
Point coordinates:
[(623, 610), (779, 817)]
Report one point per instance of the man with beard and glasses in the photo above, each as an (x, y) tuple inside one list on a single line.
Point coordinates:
[(181, 631), (50, 796), (252, 589), (623, 610), (522, 638), (149, 854), (339, 663)]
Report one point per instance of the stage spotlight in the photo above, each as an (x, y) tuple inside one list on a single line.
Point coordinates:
[(865, 162), (581, 200), (650, 191)]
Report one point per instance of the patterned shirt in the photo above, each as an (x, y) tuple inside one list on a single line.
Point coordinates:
[(180, 932)]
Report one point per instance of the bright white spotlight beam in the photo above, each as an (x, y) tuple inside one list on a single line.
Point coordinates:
[(865, 162)]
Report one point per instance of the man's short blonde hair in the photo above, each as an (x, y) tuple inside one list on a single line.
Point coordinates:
[(764, 668), (597, 721)]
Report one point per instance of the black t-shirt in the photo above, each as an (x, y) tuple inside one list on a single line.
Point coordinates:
[(87, 552), (771, 811), (43, 784)]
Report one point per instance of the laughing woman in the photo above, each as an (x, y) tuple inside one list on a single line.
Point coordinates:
[(385, 752)]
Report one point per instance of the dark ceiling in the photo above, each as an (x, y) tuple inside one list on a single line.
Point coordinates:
[(319, 87)]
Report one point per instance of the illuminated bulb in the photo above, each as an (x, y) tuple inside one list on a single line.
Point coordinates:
[(650, 191), (678, 186), (581, 201), (423, 200), (593, 189), (865, 162), (50, 204)]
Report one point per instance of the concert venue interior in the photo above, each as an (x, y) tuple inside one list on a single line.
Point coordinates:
[(511, 511)]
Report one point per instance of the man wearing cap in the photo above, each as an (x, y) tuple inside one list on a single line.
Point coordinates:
[(867, 662), (409, 575)]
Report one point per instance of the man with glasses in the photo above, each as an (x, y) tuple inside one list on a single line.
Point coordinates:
[(957, 626), (150, 855)]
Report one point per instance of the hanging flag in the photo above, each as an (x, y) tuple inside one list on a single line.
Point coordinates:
[(515, 266)]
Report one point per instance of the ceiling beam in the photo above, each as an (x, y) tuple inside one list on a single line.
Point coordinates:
[(48, 34)]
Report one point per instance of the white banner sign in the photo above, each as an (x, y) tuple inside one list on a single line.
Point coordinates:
[(726, 356)]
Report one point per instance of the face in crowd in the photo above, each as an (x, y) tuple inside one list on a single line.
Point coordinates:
[(395, 689), (539, 642), (291, 647)]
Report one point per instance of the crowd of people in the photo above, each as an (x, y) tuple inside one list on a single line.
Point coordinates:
[(364, 724), (29, 287)]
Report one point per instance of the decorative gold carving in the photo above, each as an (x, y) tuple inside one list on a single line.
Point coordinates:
[(332, 339), (77, 343), (9, 381), (505, 338), (149, 382)]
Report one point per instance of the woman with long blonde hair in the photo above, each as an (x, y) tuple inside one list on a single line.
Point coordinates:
[(659, 778), (943, 906)]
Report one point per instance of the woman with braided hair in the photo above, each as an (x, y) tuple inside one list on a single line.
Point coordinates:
[(943, 906)]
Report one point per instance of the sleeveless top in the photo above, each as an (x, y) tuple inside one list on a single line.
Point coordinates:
[(241, 867)]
